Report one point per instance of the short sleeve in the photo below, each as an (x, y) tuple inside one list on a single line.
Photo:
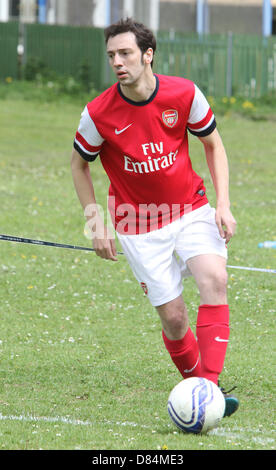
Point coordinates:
[(87, 140), (201, 121)]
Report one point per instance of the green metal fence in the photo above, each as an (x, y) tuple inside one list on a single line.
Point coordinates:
[(65, 49), (8, 50), (253, 65), (201, 59), (221, 65)]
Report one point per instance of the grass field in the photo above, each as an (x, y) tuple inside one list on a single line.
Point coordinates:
[(83, 365)]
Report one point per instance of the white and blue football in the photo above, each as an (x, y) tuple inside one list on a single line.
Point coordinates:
[(196, 405)]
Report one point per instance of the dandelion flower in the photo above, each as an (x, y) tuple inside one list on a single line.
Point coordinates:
[(248, 105)]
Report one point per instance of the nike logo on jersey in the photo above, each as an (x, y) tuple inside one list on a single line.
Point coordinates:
[(117, 132), (220, 340)]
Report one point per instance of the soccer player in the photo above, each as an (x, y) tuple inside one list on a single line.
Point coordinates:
[(158, 203)]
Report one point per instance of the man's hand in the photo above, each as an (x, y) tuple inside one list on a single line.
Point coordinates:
[(105, 246), (103, 241), (225, 222)]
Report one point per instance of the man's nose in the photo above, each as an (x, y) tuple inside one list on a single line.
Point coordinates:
[(117, 60)]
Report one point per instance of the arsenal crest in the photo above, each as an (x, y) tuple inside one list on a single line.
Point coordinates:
[(170, 117), (144, 287)]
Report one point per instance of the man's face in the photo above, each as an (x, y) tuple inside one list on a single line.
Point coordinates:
[(126, 59)]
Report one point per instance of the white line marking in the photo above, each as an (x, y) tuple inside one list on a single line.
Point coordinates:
[(235, 434), (48, 419), (64, 420)]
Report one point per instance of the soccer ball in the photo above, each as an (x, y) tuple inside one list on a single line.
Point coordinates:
[(196, 405)]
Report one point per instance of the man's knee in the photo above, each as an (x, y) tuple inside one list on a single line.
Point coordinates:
[(214, 281), (174, 319)]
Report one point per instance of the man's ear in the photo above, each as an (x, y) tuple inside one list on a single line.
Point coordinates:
[(148, 56)]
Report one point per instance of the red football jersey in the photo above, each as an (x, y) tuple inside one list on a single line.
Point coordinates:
[(143, 148)]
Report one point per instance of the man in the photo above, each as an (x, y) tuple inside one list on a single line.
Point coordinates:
[(158, 204)]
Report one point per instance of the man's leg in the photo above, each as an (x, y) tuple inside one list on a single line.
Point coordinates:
[(213, 319), (212, 330), (178, 337)]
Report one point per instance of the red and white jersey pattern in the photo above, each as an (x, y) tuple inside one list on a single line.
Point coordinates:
[(87, 138), (143, 147)]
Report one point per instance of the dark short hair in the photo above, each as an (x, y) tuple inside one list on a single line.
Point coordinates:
[(145, 38)]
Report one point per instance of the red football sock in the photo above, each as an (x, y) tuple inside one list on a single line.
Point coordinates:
[(185, 354), (212, 335)]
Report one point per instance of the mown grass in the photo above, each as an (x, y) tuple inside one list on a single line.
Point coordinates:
[(82, 360)]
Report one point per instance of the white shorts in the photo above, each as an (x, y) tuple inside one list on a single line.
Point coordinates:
[(158, 258)]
